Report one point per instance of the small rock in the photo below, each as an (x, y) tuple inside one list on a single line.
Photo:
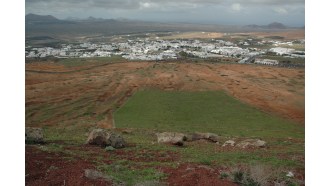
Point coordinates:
[(189, 137), (127, 131), (34, 135), (102, 137), (205, 167), (251, 143), (190, 169), (174, 138), (260, 143), (213, 137), (94, 174), (208, 136), (116, 141), (290, 174), (109, 148), (98, 137), (229, 143)]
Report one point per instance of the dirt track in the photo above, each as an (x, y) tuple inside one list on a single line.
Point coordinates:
[(101, 90)]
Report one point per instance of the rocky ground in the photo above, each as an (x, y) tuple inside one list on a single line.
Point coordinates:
[(44, 168)]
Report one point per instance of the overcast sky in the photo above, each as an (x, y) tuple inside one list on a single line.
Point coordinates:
[(229, 12)]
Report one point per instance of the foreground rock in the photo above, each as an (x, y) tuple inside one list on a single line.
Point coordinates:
[(229, 143), (173, 138), (94, 175), (290, 174), (34, 135), (103, 137), (251, 143), (207, 136)]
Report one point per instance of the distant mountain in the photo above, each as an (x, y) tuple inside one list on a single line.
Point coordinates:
[(274, 25), (43, 19), (40, 18), (91, 18), (254, 26), (73, 18), (42, 26)]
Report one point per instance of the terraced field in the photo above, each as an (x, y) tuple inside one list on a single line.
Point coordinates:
[(139, 99)]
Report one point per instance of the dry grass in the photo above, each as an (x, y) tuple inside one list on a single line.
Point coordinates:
[(193, 35), (259, 174), (263, 174)]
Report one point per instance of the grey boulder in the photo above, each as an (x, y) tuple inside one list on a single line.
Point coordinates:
[(34, 135), (229, 143), (207, 136), (94, 175), (251, 143), (103, 137), (173, 138)]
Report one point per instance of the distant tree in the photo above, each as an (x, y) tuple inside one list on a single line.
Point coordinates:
[(183, 54)]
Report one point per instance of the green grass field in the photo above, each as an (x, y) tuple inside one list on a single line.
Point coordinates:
[(203, 112), (151, 111)]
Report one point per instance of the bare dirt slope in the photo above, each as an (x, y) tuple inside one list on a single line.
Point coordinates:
[(102, 89)]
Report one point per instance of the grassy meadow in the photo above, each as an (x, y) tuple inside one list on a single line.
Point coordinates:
[(201, 112)]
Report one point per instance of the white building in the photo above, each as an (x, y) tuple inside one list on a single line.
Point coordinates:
[(282, 51), (266, 61)]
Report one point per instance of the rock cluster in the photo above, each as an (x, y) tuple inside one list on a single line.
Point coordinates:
[(103, 137), (176, 138), (248, 143)]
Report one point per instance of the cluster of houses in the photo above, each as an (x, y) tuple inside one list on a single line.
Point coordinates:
[(145, 49), (287, 52), (266, 61)]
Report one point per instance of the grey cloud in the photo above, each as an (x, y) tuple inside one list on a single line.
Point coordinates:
[(217, 11), (129, 4), (271, 2), (124, 4)]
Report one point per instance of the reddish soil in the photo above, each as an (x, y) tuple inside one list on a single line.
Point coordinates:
[(50, 168), (192, 174), (43, 168), (289, 35)]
